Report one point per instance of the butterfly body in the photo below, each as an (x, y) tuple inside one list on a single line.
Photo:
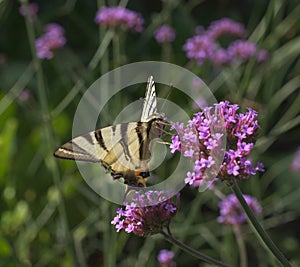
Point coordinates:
[(124, 150)]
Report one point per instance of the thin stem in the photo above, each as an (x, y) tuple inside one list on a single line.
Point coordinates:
[(49, 134), (218, 193), (263, 236), (104, 62), (169, 237), (17, 88), (101, 50), (166, 52), (116, 50), (241, 245)]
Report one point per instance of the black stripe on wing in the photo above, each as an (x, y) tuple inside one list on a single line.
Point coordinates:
[(140, 138), (100, 140)]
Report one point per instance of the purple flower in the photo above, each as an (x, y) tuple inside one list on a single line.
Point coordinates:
[(225, 26), (262, 55), (165, 258), (53, 38), (114, 17), (295, 166), (201, 141), (242, 49), (24, 95), (148, 214), (221, 56), (164, 34), (206, 46), (199, 48), (32, 9), (231, 211)]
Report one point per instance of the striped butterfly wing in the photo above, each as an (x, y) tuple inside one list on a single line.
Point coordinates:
[(116, 147), (123, 149), (149, 110)]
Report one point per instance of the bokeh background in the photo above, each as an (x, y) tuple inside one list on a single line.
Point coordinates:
[(50, 216)]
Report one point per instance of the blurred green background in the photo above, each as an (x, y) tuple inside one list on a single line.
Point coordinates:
[(50, 216)]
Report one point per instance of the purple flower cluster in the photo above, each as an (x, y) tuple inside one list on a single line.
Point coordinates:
[(165, 258), (231, 211), (221, 56), (295, 166), (53, 38), (242, 49), (225, 26), (142, 217), (206, 46), (199, 48), (32, 9), (119, 17), (164, 34), (202, 140)]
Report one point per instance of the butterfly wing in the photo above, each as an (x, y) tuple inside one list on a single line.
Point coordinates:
[(150, 102), (96, 146), (123, 149)]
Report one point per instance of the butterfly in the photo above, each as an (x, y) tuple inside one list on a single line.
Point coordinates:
[(122, 149)]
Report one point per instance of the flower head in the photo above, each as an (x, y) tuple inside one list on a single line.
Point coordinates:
[(199, 48), (231, 211), (32, 10), (203, 141), (262, 55), (24, 95), (142, 217), (295, 166), (165, 34), (207, 46), (119, 17), (225, 26), (221, 56), (52, 39), (165, 258), (242, 49)]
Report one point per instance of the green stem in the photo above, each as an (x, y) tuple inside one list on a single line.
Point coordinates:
[(166, 52), (116, 49), (49, 135), (263, 236), (241, 245), (169, 237), (101, 50)]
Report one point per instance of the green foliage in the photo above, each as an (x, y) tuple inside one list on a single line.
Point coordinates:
[(51, 217)]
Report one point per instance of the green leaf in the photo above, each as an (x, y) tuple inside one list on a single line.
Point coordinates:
[(7, 138)]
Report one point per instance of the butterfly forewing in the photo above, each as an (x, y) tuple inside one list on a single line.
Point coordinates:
[(150, 102)]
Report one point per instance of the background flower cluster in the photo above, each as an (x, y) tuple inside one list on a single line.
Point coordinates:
[(206, 45)]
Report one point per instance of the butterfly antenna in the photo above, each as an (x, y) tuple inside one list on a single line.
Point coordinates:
[(164, 143), (162, 129)]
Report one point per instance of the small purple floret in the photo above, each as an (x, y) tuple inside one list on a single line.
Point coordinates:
[(231, 211)]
